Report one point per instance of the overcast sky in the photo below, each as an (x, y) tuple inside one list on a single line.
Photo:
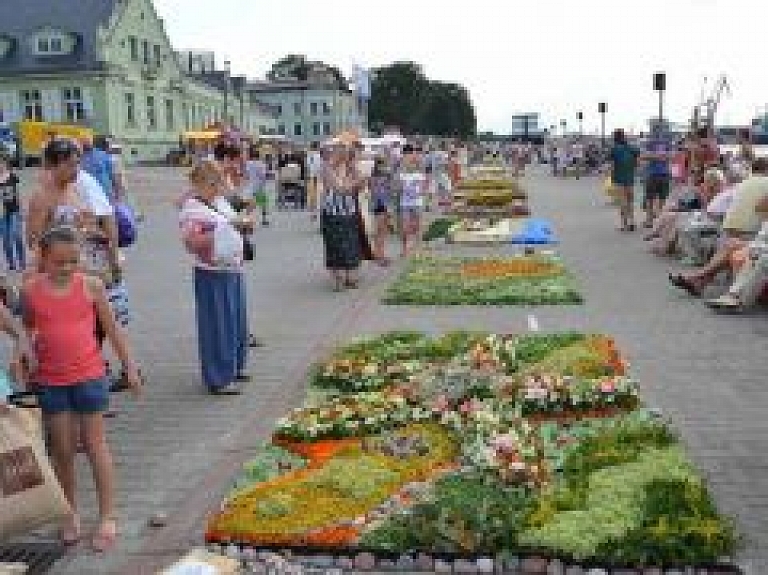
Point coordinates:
[(554, 57)]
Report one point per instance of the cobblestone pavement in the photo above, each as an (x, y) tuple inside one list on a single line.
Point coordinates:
[(177, 450)]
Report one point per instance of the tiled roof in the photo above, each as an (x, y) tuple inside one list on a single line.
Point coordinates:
[(20, 19)]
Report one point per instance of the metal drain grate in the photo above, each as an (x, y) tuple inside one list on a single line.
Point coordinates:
[(39, 557)]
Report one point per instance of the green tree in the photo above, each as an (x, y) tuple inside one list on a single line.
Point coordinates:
[(398, 94), (403, 96), (292, 66)]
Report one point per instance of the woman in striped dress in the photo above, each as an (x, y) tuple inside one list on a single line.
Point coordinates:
[(342, 182)]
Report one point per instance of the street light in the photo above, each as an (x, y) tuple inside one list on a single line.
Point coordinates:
[(602, 108), (227, 67), (580, 118), (660, 84)]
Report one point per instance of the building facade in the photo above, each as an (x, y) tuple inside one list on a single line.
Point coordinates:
[(309, 111), (108, 64)]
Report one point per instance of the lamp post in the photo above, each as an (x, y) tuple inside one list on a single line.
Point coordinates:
[(601, 108), (227, 66), (580, 118), (660, 85)]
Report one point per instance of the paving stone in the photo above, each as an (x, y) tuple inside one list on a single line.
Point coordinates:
[(365, 561), (534, 565), (425, 562)]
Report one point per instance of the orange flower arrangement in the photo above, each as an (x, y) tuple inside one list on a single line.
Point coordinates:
[(605, 347), (505, 268), (317, 452)]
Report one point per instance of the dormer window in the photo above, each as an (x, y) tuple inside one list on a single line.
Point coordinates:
[(52, 42), (6, 46)]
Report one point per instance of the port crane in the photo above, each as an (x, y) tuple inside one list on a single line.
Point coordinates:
[(704, 112)]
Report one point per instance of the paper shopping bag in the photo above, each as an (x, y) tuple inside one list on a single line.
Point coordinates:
[(30, 495)]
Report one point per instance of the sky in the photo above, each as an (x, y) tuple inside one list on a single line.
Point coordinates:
[(554, 57)]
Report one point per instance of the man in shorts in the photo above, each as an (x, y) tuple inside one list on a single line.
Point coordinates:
[(658, 153)]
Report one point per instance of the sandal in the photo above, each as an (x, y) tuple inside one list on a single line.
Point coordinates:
[(680, 281), (104, 539), (70, 535), (727, 303)]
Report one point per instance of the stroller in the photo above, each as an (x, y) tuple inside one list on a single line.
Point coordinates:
[(291, 189)]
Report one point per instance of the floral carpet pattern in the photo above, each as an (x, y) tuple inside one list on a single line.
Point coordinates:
[(473, 443), (515, 280)]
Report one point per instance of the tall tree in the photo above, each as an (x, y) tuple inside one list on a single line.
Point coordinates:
[(398, 94), (403, 96)]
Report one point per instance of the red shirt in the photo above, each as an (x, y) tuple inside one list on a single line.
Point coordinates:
[(64, 328)]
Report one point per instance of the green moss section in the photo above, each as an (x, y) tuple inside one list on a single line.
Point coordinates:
[(439, 228), (613, 505), (468, 512)]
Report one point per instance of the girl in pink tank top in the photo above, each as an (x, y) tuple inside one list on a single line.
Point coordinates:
[(61, 306)]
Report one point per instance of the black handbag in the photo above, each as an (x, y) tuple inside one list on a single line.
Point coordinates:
[(247, 249)]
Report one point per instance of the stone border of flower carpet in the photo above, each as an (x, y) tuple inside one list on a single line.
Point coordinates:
[(326, 561)]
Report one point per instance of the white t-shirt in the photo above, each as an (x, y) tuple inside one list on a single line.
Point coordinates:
[(92, 195), (413, 189), (315, 164)]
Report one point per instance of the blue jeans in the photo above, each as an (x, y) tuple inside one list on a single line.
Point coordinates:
[(13, 241)]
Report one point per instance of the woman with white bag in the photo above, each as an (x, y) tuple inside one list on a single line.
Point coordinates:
[(217, 246)]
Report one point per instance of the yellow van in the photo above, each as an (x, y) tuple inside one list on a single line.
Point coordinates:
[(34, 135)]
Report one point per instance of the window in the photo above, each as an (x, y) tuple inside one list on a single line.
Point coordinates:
[(134, 44), (281, 129), (169, 119), (145, 50), (151, 113), (297, 129), (327, 129), (262, 130), (43, 45), (33, 105), (297, 108), (326, 109), (158, 54), (72, 103), (130, 109), (55, 45), (316, 129), (313, 108), (279, 110), (185, 114)]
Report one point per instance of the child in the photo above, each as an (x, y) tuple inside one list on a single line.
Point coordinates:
[(60, 308), (381, 195), (413, 189)]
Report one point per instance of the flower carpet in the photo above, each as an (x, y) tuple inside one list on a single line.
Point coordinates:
[(476, 445), (516, 280)]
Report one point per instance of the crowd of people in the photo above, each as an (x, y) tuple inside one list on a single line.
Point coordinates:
[(707, 208)]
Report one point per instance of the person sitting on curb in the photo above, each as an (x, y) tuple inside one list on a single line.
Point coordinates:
[(698, 236), (752, 278), (742, 222)]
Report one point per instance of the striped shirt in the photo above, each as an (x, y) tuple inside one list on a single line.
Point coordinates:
[(337, 204), (334, 202)]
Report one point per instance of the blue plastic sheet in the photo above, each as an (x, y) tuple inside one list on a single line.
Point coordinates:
[(536, 231)]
